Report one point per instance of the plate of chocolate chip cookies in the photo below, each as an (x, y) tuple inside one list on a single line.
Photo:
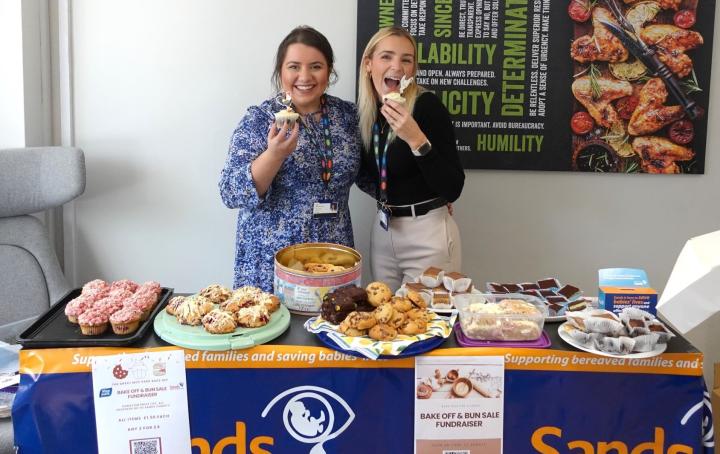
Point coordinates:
[(375, 323)]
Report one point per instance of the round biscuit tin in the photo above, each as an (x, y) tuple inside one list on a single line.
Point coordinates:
[(302, 292)]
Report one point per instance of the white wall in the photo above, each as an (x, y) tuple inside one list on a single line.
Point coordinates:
[(159, 87), (12, 121)]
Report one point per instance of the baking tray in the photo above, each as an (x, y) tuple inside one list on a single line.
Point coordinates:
[(52, 329)]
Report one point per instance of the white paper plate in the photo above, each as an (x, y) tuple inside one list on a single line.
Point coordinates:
[(659, 348)]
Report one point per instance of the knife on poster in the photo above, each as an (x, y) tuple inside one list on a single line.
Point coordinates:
[(627, 35)]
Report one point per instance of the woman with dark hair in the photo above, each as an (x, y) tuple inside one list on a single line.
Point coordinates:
[(410, 155), (292, 181)]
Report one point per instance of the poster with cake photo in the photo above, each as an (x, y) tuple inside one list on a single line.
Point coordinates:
[(459, 404)]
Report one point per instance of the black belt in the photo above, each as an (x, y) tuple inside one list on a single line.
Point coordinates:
[(418, 208)]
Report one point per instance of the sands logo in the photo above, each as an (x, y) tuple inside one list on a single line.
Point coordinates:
[(255, 445), (654, 446), (309, 417), (544, 436)]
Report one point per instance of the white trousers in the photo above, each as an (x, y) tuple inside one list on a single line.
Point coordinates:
[(413, 244)]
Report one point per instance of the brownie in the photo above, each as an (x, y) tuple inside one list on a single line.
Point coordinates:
[(548, 283), (577, 305), (365, 307), (354, 292), (512, 288), (568, 291), (657, 328), (417, 286), (495, 287), (556, 299), (338, 304), (529, 286)]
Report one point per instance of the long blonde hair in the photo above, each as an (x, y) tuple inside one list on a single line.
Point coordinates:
[(367, 98)]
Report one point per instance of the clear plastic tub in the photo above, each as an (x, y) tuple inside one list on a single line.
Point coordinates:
[(507, 317)]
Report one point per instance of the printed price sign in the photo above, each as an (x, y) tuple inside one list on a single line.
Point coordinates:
[(141, 403)]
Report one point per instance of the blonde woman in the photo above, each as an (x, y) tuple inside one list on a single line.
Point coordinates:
[(410, 157)]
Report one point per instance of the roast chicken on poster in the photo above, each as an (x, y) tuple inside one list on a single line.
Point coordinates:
[(625, 117)]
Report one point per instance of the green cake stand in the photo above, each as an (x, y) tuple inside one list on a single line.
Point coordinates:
[(170, 330)]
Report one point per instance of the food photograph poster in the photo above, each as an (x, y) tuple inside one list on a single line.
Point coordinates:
[(584, 85)]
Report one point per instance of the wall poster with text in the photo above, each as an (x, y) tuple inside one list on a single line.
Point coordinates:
[(585, 85)]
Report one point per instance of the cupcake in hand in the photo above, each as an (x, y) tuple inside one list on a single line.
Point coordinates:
[(288, 115)]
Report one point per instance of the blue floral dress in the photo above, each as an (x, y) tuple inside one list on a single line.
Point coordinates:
[(285, 215)]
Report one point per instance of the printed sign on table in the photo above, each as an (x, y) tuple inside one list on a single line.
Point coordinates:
[(141, 403), (459, 402)]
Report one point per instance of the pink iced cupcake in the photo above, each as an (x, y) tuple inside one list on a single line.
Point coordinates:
[(108, 305), (151, 286), (76, 307), (93, 322), (143, 302), (120, 294), (125, 321), (126, 284), (96, 289), (148, 293)]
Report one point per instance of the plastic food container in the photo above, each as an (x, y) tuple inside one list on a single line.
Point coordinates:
[(508, 317), (301, 291)]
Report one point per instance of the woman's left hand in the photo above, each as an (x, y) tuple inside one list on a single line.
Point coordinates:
[(403, 123)]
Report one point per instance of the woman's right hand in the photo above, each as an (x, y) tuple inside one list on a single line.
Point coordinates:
[(282, 142)]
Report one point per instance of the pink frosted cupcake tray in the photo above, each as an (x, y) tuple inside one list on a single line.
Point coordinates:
[(52, 329)]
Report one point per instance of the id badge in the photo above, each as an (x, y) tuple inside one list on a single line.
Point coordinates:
[(325, 209), (385, 218)]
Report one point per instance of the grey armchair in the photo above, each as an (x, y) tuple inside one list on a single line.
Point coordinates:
[(33, 180)]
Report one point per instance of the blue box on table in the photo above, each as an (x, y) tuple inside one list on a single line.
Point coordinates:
[(625, 287)]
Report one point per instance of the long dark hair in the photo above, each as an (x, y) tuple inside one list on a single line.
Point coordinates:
[(307, 35)]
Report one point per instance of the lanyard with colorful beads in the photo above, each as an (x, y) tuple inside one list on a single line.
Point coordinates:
[(381, 160), (326, 153)]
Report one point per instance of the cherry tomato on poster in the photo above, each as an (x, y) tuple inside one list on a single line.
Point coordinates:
[(626, 106), (579, 10), (581, 123), (684, 18), (682, 132)]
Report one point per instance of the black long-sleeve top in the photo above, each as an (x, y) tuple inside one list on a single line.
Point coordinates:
[(413, 179)]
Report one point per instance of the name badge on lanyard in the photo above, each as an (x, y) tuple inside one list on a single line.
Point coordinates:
[(325, 209), (385, 218)]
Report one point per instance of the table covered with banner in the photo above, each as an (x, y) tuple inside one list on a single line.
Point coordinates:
[(556, 400)]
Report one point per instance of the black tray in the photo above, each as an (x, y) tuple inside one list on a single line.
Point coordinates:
[(52, 329)]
